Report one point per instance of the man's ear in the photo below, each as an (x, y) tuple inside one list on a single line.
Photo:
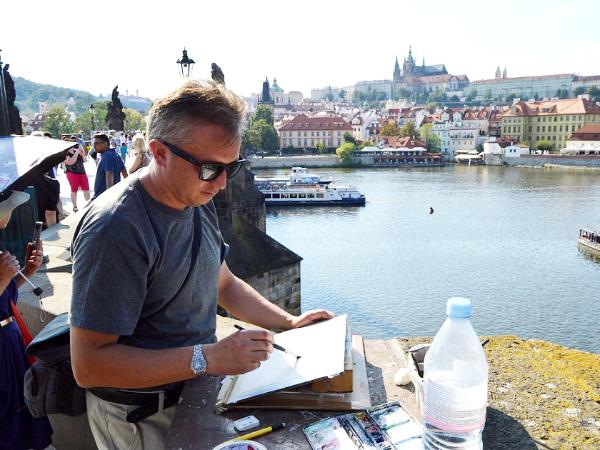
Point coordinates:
[(159, 152)]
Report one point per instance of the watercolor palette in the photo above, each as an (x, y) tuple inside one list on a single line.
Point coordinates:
[(384, 427)]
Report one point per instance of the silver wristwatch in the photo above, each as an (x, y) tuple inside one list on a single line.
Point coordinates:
[(198, 364)]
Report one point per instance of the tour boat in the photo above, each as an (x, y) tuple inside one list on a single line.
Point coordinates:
[(305, 189)]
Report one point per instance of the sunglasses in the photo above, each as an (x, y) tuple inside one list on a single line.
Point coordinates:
[(208, 170)]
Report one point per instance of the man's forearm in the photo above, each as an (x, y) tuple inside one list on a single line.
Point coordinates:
[(110, 179), (123, 366), (244, 302)]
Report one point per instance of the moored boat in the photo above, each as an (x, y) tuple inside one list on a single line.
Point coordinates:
[(589, 241), (287, 194)]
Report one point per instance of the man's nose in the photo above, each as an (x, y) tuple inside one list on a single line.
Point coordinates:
[(221, 180)]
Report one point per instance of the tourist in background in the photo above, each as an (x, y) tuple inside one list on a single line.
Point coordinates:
[(75, 172), (18, 429), (110, 168), (123, 150), (142, 156)]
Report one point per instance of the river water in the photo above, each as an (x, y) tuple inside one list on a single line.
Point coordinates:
[(506, 238)]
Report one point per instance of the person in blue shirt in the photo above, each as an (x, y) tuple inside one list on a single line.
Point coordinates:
[(111, 165)]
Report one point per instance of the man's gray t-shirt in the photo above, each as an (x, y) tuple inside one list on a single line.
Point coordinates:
[(133, 273)]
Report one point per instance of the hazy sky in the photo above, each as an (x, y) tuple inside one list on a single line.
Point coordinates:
[(305, 44)]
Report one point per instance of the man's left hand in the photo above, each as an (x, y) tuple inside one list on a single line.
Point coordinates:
[(310, 317), (33, 259)]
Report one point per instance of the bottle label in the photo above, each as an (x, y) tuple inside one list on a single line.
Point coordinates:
[(454, 409)]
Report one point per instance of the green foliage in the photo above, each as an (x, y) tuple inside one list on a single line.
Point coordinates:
[(562, 93), (432, 140), (346, 152), (471, 95), (510, 98), (260, 135), (134, 121), (479, 147), (57, 122), (594, 93), (488, 95), (437, 96), (409, 130), (454, 98), (321, 147), (390, 129), (84, 121), (349, 138), (264, 113), (544, 145), (342, 95), (578, 91)]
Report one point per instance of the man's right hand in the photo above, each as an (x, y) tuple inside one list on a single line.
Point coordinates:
[(238, 353), (9, 267)]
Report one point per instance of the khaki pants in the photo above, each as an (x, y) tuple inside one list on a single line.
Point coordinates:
[(112, 432)]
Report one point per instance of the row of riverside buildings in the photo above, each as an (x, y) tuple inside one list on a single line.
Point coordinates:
[(459, 129)]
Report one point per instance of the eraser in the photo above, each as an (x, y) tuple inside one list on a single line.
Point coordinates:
[(246, 423)]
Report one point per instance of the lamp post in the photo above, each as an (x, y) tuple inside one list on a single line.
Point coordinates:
[(92, 108), (185, 64), (4, 118)]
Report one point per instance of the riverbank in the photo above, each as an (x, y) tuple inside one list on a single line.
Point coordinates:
[(557, 162)]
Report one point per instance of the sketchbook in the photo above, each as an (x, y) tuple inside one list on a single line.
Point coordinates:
[(322, 350)]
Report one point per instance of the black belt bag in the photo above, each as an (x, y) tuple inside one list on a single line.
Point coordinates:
[(149, 402)]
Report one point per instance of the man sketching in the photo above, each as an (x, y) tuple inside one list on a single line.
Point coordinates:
[(149, 270)]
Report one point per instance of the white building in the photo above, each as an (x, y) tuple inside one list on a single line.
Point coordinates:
[(365, 126)]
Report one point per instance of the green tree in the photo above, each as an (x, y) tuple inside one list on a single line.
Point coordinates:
[(321, 147), (479, 147), (594, 93), (471, 95), (349, 138), (578, 91), (409, 129), (84, 121), (510, 98), (346, 152), (488, 95), (390, 129), (265, 113), (342, 95), (57, 122), (267, 136), (432, 140), (544, 146), (134, 121)]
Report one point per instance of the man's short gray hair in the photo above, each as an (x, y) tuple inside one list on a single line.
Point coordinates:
[(194, 103)]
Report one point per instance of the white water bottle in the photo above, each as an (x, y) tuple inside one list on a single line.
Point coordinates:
[(455, 383)]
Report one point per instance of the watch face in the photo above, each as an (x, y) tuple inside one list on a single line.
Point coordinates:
[(198, 361)]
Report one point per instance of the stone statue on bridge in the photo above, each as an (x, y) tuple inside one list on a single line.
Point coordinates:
[(115, 115)]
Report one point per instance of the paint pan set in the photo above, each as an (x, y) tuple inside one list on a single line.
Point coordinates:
[(384, 427)]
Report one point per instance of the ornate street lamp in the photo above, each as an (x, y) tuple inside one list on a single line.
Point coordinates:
[(185, 64), (4, 117), (92, 109)]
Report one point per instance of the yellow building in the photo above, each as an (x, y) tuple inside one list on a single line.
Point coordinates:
[(550, 120)]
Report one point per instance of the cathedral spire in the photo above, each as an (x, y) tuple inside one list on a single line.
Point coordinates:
[(397, 76), (504, 74), (497, 72)]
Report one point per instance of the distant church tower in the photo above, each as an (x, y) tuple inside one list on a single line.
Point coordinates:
[(504, 75), (409, 65), (397, 75), (265, 98), (498, 73)]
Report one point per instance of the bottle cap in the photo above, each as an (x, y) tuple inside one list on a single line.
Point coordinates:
[(458, 307)]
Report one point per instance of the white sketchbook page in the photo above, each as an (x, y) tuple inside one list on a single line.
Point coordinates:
[(321, 347)]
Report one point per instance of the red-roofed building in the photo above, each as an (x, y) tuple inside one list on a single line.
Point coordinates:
[(584, 141), (307, 131)]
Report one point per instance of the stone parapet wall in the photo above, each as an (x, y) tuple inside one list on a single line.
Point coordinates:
[(554, 160), (281, 287), (287, 162)]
